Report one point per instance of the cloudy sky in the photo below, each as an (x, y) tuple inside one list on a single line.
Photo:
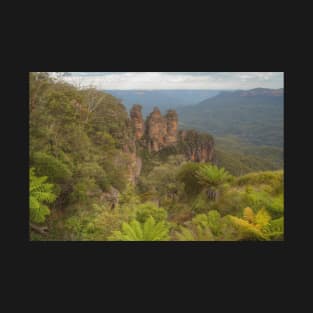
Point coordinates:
[(177, 80)]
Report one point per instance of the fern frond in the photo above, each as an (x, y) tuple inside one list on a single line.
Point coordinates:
[(185, 235), (247, 230), (40, 193), (262, 219)]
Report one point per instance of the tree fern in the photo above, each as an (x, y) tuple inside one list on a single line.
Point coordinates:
[(212, 176), (185, 234), (194, 233), (262, 219), (40, 193), (276, 229), (198, 230), (247, 230), (150, 230), (248, 215), (253, 226)]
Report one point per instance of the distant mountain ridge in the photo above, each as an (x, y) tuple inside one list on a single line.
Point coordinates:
[(255, 116), (164, 99), (255, 92)]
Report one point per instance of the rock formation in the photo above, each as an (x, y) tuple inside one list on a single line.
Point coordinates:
[(172, 127), (159, 132), (197, 147), (137, 121), (133, 161), (156, 131)]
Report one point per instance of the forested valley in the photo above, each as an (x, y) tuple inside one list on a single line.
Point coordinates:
[(100, 173)]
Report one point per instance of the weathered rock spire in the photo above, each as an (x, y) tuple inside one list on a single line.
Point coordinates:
[(137, 121)]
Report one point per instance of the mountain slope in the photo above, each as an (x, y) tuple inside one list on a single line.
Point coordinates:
[(254, 116)]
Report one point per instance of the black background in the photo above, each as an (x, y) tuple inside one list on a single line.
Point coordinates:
[(241, 275)]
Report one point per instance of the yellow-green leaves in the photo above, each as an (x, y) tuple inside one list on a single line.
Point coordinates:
[(248, 215), (252, 226), (262, 219), (247, 230)]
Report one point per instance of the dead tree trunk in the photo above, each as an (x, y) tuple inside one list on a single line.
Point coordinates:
[(213, 194), (41, 230)]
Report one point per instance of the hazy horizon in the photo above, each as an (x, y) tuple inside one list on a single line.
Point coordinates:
[(176, 80)]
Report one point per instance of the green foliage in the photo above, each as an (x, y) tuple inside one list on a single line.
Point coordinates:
[(188, 175), (211, 176), (239, 163), (201, 203), (195, 232), (82, 189), (103, 182), (203, 227), (231, 202), (214, 222), (76, 136), (48, 165), (276, 229), (262, 219), (129, 197), (240, 158), (148, 231), (149, 209), (96, 223), (255, 190), (40, 193), (276, 206), (272, 178), (185, 234)]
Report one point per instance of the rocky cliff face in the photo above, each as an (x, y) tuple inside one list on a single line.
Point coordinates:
[(171, 127), (159, 132), (156, 131), (132, 161), (137, 121), (197, 147)]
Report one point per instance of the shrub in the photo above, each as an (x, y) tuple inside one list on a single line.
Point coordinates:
[(214, 222), (187, 175), (149, 209), (271, 178), (82, 188)]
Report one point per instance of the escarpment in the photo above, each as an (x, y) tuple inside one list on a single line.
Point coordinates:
[(158, 132)]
